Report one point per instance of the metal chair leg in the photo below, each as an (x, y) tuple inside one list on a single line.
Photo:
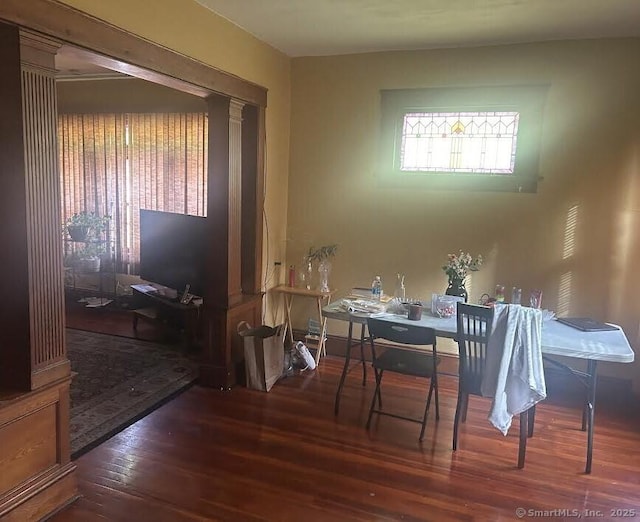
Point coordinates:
[(375, 372), (376, 393), (426, 408), (465, 405), (456, 420), (434, 382)]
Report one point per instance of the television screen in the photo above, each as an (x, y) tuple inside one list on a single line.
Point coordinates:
[(173, 250)]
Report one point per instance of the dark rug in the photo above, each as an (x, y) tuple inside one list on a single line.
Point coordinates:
[(117, 381)]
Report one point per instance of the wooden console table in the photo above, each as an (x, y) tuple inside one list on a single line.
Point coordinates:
[(321, 298)]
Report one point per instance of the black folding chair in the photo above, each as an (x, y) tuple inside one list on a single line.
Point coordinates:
[(408, 360)]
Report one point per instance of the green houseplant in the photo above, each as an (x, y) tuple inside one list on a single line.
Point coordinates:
[(322, 253), (86, 232), (83, 226)]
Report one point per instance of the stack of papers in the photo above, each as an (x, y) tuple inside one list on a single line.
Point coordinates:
[(363, 306)]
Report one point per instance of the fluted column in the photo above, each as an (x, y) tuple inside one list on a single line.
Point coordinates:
[(37, 473), (231, 253), (32, 308), (42, 183)]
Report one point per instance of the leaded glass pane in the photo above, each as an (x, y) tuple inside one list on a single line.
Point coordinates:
[(483, 142)]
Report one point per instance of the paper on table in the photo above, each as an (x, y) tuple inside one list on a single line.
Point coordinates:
[(361, 306), (145, 288)]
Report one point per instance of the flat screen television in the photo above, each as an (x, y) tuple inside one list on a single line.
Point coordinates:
[(173, 250)]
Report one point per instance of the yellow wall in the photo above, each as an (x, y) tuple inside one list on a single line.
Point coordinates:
[(589, 162), (188, 28)]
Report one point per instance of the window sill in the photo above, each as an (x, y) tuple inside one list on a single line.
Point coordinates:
[(458, 182)]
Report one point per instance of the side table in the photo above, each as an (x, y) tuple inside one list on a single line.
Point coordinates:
[(321, 298)]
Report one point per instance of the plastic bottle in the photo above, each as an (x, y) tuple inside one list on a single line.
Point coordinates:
[(376, 288)]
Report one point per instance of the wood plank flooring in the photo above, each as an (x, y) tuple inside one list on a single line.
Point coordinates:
[(245, 455)]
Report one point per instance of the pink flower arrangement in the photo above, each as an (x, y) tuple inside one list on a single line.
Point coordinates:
[(459, 265)]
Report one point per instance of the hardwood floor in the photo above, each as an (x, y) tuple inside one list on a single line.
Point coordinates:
[(245, 455)]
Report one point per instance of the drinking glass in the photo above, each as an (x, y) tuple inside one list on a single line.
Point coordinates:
[(400, 290), (516, 295), (535, 299)]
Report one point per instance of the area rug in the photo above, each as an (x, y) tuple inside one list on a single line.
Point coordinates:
[(118, 380)]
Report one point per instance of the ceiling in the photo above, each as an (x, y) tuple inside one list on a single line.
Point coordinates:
[(330, 27)]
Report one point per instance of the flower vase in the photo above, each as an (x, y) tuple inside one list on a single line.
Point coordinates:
[(306, 274), (324, 269), (456, 288)]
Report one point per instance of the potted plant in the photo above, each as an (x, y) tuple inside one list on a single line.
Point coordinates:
[(83, 226), (88, 257), (87, 230)]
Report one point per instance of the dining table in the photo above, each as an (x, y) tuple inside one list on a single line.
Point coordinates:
[(558, 339)]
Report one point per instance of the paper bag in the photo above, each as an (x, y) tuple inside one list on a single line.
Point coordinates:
[(263, 355)]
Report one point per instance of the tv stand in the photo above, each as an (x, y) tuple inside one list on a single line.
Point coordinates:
[(157, 306)]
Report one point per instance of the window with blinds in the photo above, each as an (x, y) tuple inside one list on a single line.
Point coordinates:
[(117, 164)]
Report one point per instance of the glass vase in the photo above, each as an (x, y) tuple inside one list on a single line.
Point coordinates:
[(306, 274), (324, 269)]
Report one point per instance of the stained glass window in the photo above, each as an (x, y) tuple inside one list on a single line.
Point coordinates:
[(482, 142)]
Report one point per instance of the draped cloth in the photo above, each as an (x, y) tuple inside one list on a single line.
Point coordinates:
[(514, 374)]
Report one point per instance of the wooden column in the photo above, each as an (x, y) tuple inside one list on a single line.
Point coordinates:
[(253, 134), (32, 315), (232, 256), (49, 361), (234, 288), (37, 475)]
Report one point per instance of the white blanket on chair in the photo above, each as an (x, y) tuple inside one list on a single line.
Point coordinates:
[(514, 375)]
